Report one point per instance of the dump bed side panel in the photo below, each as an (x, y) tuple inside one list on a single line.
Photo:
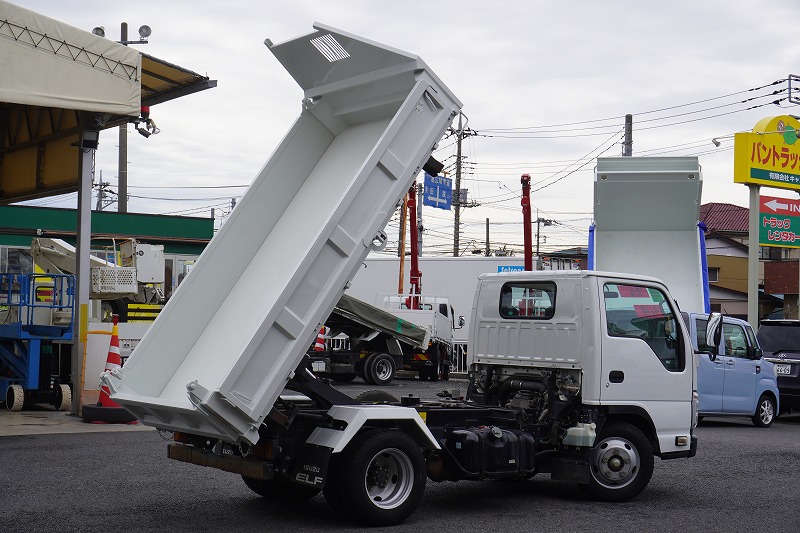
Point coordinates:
[(225, 345), (646, 212)]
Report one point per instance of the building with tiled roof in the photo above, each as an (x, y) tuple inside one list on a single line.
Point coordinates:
[(725, 219)]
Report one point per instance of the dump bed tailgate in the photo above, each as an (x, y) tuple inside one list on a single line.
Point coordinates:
[(225, 345)]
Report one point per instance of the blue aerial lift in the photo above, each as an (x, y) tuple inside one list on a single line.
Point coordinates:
[(36, 311)]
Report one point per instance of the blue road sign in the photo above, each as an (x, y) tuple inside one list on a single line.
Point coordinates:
[(438, 192)]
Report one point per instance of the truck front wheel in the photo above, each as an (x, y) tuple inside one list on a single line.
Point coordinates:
[(379, 479), (621, 463)]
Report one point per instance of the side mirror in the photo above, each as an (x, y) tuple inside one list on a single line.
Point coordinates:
[(461, 321), (754, 352), (714, 334)]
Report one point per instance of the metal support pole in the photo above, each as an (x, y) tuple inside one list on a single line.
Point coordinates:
[(752, 258), (122, 196), (85, 172)]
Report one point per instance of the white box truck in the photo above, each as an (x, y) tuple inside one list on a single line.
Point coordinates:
[(553, 386)]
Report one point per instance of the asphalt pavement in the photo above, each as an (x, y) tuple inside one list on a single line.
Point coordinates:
[(119, 479)]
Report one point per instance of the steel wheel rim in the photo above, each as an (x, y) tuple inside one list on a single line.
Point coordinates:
[(389, 478), (766, 412), (383, 369), (615, 463)]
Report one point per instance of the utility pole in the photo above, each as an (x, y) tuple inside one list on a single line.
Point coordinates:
[(100, 191), (457, 198), (627, 146), (488, 252), (539, 221), (420, 198)]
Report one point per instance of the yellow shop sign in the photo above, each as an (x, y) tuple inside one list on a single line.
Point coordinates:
[(770, 154)]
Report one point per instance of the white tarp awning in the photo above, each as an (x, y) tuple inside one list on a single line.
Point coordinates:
[(47, 63)]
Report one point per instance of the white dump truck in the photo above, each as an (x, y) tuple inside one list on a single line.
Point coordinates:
[(587, 376)]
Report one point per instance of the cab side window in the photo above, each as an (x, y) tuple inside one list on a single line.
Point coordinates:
[(735, 340), (701, 326), (644, 313)]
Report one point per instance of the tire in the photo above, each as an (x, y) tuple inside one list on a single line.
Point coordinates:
[(114, 307), (343, 377), (621, 463), (108, 415), (63, 398), (445, 370), (379, 369), (765, 412), (376, 396), (432, 372), (15, 398), (379, 478), (276, 489)]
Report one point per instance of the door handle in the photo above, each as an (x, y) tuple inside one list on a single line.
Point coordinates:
[(729, 363), (616, 376)]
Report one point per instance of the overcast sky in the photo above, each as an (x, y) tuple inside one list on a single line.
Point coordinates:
[(545, 86)]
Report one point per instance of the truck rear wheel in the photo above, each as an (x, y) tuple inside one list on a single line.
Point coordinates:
[(280, 489), (379, 369), (379, 479), (621, 463)]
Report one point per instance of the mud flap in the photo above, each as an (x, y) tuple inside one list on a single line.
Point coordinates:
[(311, 466), (569, 469)]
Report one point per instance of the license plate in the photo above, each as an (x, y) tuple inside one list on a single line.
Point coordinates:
[(318, 366), (783, 369)]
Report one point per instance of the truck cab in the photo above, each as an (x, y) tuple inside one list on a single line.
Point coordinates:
[(735, 379), (604, 348)]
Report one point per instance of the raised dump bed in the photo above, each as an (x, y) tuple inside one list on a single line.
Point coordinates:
[(222, 350), (646, 212)]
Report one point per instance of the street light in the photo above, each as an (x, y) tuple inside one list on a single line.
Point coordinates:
[(144, 33)]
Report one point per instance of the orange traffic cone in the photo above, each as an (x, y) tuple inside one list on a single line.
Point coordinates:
[(113, 362), (319, 346), (107, 411)]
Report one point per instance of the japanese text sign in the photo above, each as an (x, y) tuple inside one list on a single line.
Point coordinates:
[(779, 222), (769, 155), (438, 192)]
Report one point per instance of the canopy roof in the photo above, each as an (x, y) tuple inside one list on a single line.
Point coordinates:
[(57, 80)]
